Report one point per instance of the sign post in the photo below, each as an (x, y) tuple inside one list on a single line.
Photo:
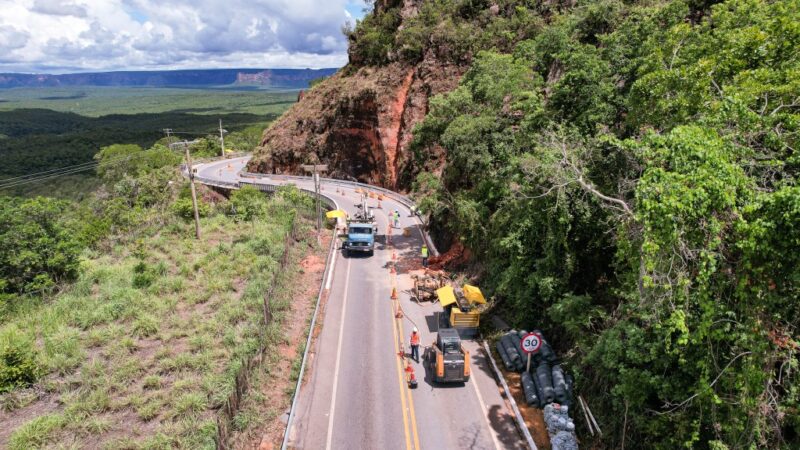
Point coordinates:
[(315, 169), (531, 343)]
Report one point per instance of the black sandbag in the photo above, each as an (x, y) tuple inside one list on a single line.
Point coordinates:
[(547, 353), (503, 355), (539, 395), (545, 383), (511, 349), (559, 384), (529, 389)]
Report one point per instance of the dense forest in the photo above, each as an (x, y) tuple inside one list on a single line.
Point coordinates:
[(625, 175), (38, 140)]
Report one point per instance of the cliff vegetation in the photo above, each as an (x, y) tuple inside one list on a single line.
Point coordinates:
[(625, 175)]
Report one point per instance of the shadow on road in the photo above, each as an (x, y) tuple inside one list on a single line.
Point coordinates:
[(435, 321)]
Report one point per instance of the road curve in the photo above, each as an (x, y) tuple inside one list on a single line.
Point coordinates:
[(355, 396)]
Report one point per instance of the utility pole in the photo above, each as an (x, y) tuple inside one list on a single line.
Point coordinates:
[(222, 137), (315, 169), (190, 169)]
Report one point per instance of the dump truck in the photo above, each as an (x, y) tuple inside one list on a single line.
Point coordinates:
[(462, 308), (360, 238), (447, 358)]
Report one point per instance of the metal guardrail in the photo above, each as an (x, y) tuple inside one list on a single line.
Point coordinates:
[(309, 342), (401, 198)]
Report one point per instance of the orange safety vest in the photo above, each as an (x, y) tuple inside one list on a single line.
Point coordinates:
[(414, 338)]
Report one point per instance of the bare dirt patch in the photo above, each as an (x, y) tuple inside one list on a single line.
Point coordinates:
[(533, 417), (44, 403)]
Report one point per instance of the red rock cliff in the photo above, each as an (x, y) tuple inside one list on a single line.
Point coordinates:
[(359, 121)]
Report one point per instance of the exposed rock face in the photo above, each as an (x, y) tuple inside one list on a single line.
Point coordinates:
[(359, 121)]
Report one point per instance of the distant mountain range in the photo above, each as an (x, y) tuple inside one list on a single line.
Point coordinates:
[(271, 78)]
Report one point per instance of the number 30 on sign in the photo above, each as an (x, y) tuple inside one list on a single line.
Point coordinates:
[(531, 343)]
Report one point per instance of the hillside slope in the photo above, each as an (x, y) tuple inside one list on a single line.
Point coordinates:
[(624, 175), (361, 120)]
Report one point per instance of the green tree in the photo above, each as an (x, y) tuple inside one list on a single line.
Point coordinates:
[(37, 249)]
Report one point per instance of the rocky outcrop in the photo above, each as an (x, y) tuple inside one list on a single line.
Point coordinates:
[(360, 121), (360, 124)]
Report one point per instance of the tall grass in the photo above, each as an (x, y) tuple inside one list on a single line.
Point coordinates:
[(117, 353)]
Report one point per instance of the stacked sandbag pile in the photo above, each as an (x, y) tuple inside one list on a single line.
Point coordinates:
[(546, 383), (545, 386), (560, 427)]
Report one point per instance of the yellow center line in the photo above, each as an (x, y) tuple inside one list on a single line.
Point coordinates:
[(400, 374), (402, 386), (397, 325), (410, 399)]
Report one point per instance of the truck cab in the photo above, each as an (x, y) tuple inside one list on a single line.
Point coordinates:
[(360, 238), (447, 359)]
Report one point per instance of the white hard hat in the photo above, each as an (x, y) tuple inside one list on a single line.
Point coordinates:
[(415, 329)]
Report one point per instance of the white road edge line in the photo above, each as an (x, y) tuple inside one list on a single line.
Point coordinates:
[(333, 263), (338, 358), (486, 415)]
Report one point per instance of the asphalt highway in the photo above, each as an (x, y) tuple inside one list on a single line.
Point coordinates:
[(356, 396)]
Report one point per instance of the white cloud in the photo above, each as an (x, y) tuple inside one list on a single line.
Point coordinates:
[(12, 38), (70, 35), (58, 8)]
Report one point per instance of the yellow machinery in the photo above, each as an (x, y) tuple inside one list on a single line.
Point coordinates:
[(461, 307), (447, 358)]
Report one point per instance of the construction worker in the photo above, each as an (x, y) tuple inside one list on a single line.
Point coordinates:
[(424, 255), (396, 216), (415, 345)]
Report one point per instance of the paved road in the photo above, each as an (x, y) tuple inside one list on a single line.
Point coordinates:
[(356, 396)]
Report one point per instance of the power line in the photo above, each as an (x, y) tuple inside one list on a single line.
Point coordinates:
[(45, 172), (68, 170), (48, 177)]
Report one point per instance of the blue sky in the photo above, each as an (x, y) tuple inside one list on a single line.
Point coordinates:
[(59, 36)]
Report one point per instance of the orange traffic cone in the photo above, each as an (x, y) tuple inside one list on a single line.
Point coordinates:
[(392, 270), (412, 378), (379, 205), (394, 293), (398, 314), (394, 256)]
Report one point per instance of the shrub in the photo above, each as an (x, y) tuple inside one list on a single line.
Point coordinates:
[(248, 203), (183, 208), (18, 365), (37, 248)]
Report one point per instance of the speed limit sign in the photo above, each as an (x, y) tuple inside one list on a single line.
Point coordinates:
[(531, 343)]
